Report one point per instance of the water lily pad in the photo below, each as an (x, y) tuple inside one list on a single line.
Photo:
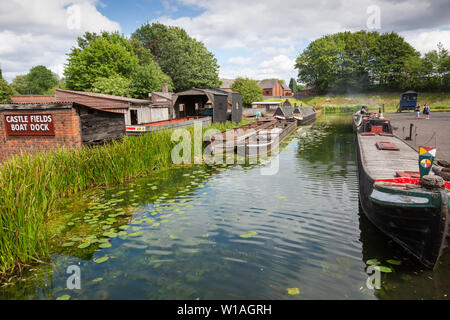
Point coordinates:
[(105, 245), (156, 224), (68, 244), (293, 291), (384, 269), (76, 239), (70, 223), (136, 234), (124, 227), (97, 279), (102, 259), (173, 237), (164, 221), (249, 234), (394, 262), (373, 262), (84, 245), (63, 297)]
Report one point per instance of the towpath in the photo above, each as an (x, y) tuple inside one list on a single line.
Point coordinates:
[(434, 132)]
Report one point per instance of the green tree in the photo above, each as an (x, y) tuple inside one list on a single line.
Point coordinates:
[(356, 61), (437, 67), (250, 90), (5, 90), (293, 85), (19, 84), (148, 78), (40, 80), (184, 59), (99, 56), (115, 85)]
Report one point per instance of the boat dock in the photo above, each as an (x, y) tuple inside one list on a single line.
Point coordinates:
[(433, 132)]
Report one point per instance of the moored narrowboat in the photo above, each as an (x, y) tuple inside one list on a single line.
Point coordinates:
[(409, 206)]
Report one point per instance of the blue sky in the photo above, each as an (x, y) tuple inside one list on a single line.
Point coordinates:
[(254, 38)]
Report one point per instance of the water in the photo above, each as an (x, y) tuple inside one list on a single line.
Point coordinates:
[(229, 232)]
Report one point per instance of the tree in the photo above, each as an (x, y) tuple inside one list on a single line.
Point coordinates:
[(19, 84), (250, 90), (115, 85), (437, 67), (147, 79), (112, 64), (184, 59), (356, 61), (293, 85), (107, 55), (40, 80), (5, 90)]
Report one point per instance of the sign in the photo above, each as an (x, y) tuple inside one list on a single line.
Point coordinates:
[(426, 158), (135, 129), (29, 124)]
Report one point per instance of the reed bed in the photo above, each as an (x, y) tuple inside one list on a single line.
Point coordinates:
[(30, 185)]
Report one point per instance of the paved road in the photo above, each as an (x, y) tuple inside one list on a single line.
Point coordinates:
[(434, 132)]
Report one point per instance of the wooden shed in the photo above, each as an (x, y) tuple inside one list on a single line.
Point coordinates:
[(219, 104)]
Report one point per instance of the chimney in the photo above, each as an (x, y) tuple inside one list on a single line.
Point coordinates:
[(165, 87)]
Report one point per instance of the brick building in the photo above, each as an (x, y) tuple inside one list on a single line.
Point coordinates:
[(33, 127)]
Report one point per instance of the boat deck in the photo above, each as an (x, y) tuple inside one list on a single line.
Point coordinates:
[(383, 164)]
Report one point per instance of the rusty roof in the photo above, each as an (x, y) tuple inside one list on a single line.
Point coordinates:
[(106, 96)]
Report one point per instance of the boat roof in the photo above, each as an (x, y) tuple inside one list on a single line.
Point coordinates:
[(383, 164)]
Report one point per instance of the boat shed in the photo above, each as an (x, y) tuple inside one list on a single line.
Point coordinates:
[(44, 126), (219, 104), (136, 111)]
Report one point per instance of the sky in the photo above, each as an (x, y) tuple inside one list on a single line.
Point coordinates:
[(253, 38)]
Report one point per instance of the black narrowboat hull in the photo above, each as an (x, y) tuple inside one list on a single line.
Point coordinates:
[(421, 231)]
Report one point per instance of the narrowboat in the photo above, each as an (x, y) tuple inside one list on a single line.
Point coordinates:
[(407, 206), (226, 141), (267, 139)]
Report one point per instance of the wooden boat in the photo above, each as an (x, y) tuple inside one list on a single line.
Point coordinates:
[(304, 115), (414, 215), (267, 139), (226, 141)]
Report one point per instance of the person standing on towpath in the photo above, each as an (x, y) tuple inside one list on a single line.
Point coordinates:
[(418, 111)]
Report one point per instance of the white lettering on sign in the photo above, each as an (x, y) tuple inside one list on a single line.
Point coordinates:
[(29, 124)]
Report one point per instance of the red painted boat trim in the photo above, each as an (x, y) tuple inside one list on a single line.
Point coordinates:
[(409, 181)]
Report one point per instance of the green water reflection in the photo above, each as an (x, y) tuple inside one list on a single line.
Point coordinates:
[(230, 232)]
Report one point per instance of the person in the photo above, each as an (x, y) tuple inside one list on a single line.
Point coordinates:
[(418, 111), (363, 110), (426, 111)]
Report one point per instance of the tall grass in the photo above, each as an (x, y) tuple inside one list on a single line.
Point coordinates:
[(30, 184)]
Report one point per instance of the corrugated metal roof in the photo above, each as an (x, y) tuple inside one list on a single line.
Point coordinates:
[(107, 96), (33, 99)]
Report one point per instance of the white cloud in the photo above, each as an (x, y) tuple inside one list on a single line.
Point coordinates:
[(42, 32), (428, 40), (239, 61), (268, 29)]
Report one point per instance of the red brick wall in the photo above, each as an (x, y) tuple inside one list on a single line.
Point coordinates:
[(67, 133), (96, 102)]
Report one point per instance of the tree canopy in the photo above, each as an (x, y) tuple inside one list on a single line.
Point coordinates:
[(112, 64), (40, 80), (250, 90), (184, 59), (363, 61), (5, 90)]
